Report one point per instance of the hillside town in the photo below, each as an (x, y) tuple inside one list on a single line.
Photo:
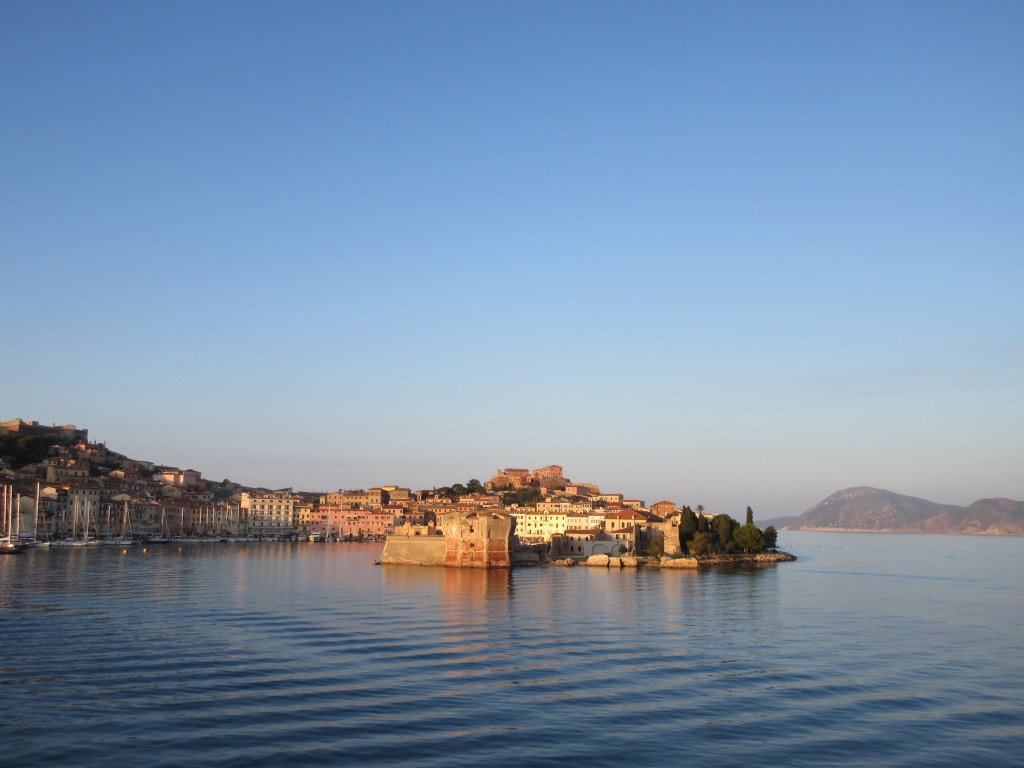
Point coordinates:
[(60, 486)]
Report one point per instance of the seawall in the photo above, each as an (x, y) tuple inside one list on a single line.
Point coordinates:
[(413, 550)]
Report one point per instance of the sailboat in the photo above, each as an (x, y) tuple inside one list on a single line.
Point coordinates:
[(126, 530), (162, 538), (36, 541), (71, 541), (8, 544), (89, 542)]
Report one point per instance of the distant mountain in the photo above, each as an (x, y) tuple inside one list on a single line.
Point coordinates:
[(778, 522), (873, 509)]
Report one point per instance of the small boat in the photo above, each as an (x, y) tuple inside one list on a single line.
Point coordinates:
[(125, 538), (10, 544)]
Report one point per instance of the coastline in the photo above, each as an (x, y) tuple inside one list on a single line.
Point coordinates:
[(674, 563), (912, 532)]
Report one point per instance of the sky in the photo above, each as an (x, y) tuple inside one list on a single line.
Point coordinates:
[(721, 253)]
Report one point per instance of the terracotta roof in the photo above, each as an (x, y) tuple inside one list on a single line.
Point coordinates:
[(625, 514)]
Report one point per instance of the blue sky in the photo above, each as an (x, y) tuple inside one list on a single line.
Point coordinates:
[(721, 253)]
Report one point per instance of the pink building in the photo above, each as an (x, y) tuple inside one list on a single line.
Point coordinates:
[(332, 520)]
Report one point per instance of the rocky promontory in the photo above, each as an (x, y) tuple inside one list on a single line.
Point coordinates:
[(608, 561), (700, 562)]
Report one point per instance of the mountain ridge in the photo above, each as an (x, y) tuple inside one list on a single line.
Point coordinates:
[(863, 508)]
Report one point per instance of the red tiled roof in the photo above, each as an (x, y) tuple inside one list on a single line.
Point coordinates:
[(625, 514)]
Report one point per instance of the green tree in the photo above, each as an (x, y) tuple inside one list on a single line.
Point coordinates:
[(723, 526), (474, 486), (446, 492), (687, 525), (459, 489), (29, 449), (771, 537), (703, 524), (524, 497), (656, 548), (748, 538), (702, 544), (750, 516)]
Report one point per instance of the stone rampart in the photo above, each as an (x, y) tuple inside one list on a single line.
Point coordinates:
[(481, 539), (413, 550)]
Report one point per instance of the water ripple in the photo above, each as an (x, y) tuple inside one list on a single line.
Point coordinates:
[(311, 655)]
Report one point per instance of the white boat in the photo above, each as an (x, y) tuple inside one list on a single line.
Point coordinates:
[(10, 544), (125, 538), (72, 541), (37, 543)]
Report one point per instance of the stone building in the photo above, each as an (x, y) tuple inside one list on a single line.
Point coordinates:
[(550, 472), (663, 508), (481, 539)]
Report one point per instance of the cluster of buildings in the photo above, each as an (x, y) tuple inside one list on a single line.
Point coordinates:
[(579, 519), (82, 488)]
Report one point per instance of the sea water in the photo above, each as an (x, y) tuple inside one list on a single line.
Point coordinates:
[(871, 649)]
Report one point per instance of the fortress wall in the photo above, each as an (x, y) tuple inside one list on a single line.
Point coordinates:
[(414, 550)]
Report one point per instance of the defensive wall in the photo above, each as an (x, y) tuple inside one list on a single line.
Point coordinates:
[(477, 539), (414, 550)]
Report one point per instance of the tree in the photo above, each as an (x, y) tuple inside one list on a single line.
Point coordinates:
[(750, 516), (459, 489), (688, 525), (656, 548), (27, 449), (703, 524), (748, 538), (474, 486), (771, 537), (524, 497), (723, 526), (701, 544)]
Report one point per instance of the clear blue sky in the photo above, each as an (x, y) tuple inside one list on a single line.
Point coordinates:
[(720, 253)]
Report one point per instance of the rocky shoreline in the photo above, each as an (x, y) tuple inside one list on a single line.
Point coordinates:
[(609, 561)]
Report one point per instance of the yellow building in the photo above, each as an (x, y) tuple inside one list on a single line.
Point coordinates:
[(532, 524), (270, 513)]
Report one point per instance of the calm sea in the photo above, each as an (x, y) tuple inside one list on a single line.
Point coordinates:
[(870, 650)]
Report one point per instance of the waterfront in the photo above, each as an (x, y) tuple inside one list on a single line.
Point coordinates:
[(870, 649)]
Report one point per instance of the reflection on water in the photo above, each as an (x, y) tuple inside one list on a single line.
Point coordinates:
[(873, 650)]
